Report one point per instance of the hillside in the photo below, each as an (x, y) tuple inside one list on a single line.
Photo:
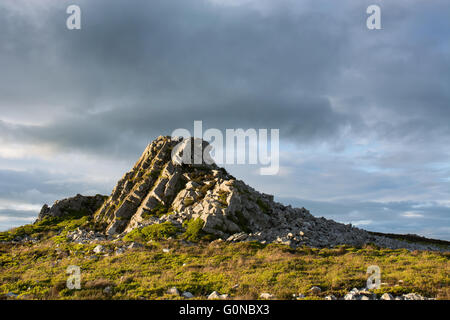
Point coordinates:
[(169, 223), (148, 269)]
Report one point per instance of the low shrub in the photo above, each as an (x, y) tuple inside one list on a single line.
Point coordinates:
[(194, 230), (152, 232)]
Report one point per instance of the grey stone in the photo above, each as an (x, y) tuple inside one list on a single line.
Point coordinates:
[(214, 295), (119, 251), (315, 290), (413, 296), (387, 296), (187, 295), (266, 296), (135, 245), (350, 296), (99, 249), (173, 291)]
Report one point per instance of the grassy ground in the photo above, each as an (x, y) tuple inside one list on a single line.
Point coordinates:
[(38, 271)]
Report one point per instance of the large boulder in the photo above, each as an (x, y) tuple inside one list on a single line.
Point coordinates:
[(78, 204)]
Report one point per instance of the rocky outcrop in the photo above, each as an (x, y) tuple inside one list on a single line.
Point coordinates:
[(170, 184), (84, 204)]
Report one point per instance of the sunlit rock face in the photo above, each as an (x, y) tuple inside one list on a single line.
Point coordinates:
[(175, 180)]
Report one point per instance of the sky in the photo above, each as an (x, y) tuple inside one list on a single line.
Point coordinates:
[(364, 115)]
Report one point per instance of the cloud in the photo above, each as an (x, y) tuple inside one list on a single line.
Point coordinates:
[(412, 214), (9, 218), (363, 115), (131, 66)]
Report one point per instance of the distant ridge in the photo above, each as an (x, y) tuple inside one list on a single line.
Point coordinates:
[(412, 238)]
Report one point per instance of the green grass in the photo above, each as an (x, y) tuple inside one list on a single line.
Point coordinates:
[(206, 187), (152, 232), (194, 231), (70, 221), (223, 198), (188, 201), (38, 271)]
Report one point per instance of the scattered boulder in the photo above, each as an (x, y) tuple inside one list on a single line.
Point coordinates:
[(187, 295), (119, 251), (83, 236), (387, 296), (135, 245), (214, 295), (266, 296), (99, 249), (350, 296), (315, 290), (237, 237), (173, 291), (11, 295), (414, 296), (107, 290), (362, 294), (365, 294)]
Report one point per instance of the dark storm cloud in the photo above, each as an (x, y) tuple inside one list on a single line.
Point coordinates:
[(139, 70), (120, 131), (398, 79), (17, 182), (145, 68)]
